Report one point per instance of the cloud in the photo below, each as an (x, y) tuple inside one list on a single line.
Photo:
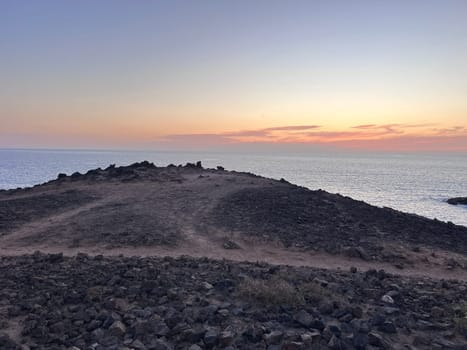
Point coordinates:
[(196, 139), (267, 132), (412, 143), (369, 136), (454, 130), (265, 135), (293, 128)]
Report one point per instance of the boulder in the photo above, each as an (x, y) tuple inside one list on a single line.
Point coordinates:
[(457, 200)]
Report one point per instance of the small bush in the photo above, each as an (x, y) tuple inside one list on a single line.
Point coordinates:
[(274, 291), (460, 319), (315, 293)]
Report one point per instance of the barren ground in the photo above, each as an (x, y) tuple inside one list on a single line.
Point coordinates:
[(143, 210)]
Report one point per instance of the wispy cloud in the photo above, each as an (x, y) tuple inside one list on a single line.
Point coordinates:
[(411, 143), (454, 130), (369, 136), (272, 134)]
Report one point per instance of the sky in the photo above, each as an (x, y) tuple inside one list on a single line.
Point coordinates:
[(346, 74)]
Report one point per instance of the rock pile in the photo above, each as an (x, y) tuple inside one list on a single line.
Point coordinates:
[(163, 303)]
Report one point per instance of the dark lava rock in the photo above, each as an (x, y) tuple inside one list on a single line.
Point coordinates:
[(7, 343), (211, 337), (457, 200), (230, 245), (388, 327), (304, 318), (299, 217), (188, 303)]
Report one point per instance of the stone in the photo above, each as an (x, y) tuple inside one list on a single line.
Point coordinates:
[(375, 339), (326, 307), (211, 337), (334, 343), (444, 343), (229, 244), (357, 312), (195, 347), (161, 329), (273, 337), (457, 201), (225, 338), (138, 345), (118, 329), (206, 286), (420, 340), (310, 337), (7, 343), (387, 299), (360, 341), (160, 344), (304, 318), (194, 334), (437, 312), (357, 252), (388, 327), (292, 345), (254, 333)]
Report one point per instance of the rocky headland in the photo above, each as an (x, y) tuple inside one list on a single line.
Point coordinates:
[(182, 257)]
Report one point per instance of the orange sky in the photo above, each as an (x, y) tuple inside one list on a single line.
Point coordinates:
[(384, 137), (350, 75)]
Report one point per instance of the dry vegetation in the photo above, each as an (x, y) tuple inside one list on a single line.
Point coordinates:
[(278, 291), (271, 291), (461, 318)]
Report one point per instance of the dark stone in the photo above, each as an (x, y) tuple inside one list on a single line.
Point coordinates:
[(230, 245), (375, 339), (388, 327), (274, 337), (7, 343), (211, 337), (335, 343), (457, 200), (360, 341), (225, 338), (304, 319)]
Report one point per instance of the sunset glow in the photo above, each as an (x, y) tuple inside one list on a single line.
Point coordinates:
[(365, 75)]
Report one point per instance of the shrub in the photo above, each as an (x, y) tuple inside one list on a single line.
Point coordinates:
[(315, 293), (460, 318), (274, 291)]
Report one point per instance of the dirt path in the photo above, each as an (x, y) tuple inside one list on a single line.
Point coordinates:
[(40, 225), (251, 253)]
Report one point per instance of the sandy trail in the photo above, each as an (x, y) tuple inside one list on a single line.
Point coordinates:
[(202, 248)]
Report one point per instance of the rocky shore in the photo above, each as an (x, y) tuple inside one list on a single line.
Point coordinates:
[(53, 302)]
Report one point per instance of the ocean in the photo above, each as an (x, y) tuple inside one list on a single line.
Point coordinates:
[(413, 183)]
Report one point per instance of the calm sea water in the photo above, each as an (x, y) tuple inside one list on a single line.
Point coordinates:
[(417, 184)]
